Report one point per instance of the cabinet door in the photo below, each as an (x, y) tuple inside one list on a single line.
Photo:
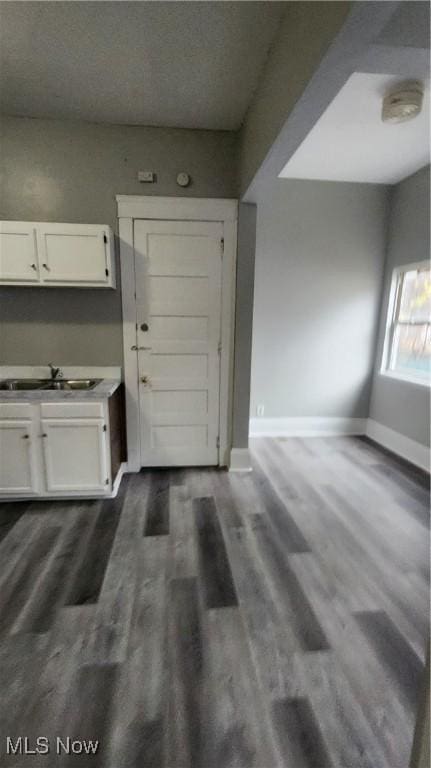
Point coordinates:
[(75, 454), (17, 457), (18, 253), (74, 254)]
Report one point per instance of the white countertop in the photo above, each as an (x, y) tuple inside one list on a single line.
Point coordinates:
[(104, 389), (110, 381)]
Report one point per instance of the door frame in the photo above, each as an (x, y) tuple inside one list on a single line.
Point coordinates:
[(132, 207)]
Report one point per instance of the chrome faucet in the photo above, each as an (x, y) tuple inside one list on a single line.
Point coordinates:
[(56, 373)]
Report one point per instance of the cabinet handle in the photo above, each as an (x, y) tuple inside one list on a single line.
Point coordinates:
[(44, 434), (134, 348), (25, 437), (33, 266), (45, 266)]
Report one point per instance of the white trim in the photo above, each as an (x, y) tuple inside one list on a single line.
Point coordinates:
[(399, 444), (412, 266), (405, 379), (403, 446), (228, 298), (392, 313), (180, 208), (127, 264), (307, 427), (240, 460), (122, 471), (132, 207)]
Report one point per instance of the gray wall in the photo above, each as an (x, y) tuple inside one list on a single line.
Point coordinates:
[(71, 171), (305, 33), (243, 323), (400, 405), (319, 268)]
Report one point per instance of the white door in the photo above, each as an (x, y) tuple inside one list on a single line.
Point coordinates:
[(75, 253), (17, 457), (178, 297), (18, 253), (75, 454)]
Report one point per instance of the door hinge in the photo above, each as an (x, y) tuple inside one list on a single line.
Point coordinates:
[(106, 272), (218, 441), (104, 427), (219, 348), (222, 244), (105, 239), (107, 481)]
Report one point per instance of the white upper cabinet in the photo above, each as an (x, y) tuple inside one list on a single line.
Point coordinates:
[(53, 254), (18, 253), (74, 253)]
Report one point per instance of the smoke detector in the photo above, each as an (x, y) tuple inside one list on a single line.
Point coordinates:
[(404, 102)]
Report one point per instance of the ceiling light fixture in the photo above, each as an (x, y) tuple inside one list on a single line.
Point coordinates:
[(404, 102)]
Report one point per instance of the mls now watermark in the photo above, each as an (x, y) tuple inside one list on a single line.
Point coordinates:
[(42, 745)]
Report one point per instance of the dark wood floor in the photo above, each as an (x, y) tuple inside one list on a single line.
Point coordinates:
[(208, 620)]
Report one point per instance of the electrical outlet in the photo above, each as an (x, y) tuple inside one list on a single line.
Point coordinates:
[(260, 410)]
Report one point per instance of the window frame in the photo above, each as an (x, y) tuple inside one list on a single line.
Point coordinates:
[(392, 321)]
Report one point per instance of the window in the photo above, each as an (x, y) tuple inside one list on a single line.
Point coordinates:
[(408, 339)]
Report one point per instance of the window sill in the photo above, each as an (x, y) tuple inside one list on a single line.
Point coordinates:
[(405, 379)]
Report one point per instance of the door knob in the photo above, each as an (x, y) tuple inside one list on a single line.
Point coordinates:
[(134, 348), (144, 327), (145, 379)]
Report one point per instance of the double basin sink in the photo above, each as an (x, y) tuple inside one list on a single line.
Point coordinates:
[(22, 385)]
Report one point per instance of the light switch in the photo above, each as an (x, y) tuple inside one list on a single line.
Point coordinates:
[(147, 177)]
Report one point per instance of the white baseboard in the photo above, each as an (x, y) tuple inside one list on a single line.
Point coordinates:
[(403, 446), (408, 449), (240, 460), (122, 471), (307, 427)]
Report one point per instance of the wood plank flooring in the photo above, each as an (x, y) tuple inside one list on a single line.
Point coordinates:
[(202, 619)]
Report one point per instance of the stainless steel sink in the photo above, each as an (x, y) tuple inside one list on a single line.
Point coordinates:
[(66, 384), (21, 385)]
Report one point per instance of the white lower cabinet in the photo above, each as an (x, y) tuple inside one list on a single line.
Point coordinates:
[(54, 449), (18, 457), (75, 454)]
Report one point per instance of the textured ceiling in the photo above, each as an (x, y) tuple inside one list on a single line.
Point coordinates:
[(185, 64)]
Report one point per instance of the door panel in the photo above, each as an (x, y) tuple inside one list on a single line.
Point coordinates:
[(75, 454), (163, 255), (180, 407), (17, 457), (178, 294), (186, 329), (166, 368), (73, 254), (18, 253), (180, 436)]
